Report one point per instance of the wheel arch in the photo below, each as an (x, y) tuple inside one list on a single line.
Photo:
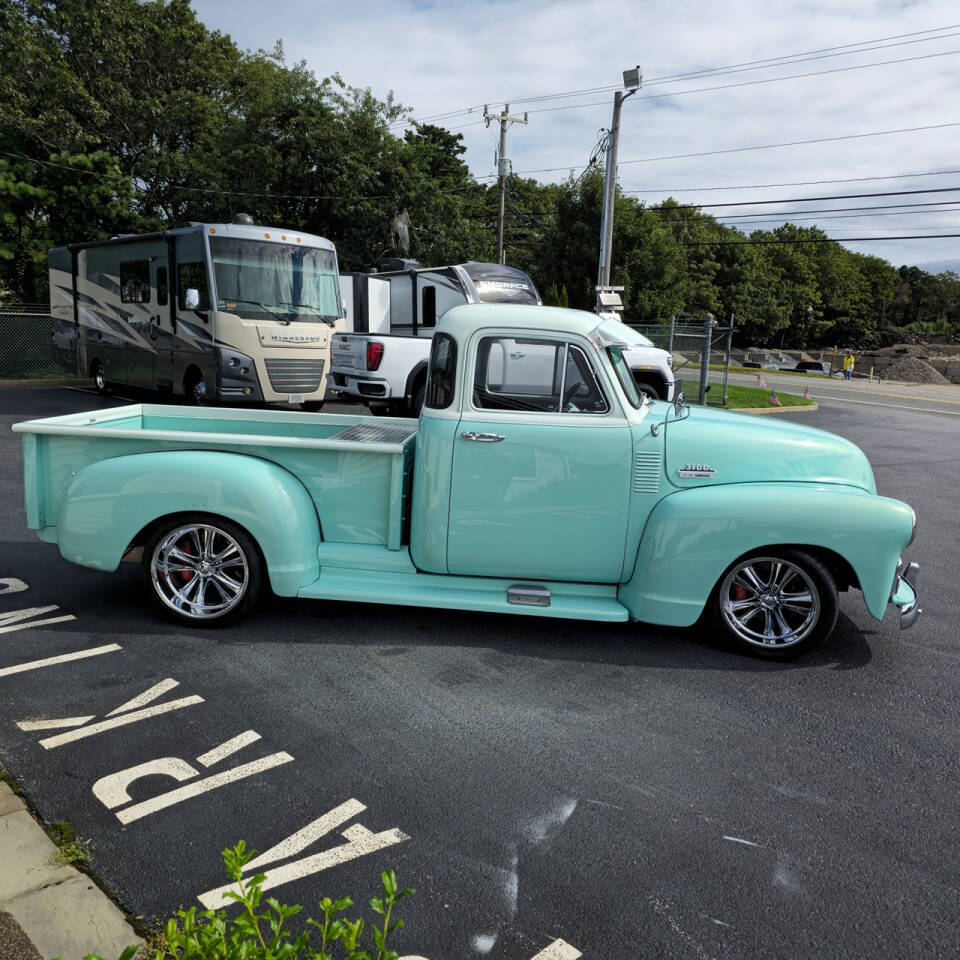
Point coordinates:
[(413, 377), (113, 504), (651, 378), (693, 536)]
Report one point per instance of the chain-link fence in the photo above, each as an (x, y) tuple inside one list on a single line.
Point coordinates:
[(686, 340), (26, 343)]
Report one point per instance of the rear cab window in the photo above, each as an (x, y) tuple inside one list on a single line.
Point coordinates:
[(442, 372)]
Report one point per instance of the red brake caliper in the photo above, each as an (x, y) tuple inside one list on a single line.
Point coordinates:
[(739, 592), (186, 575)]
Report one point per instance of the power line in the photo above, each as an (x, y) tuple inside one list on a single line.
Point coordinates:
[(716, 71), (765, 146), (752, 83), (752, 243), (793, 183), (847, 196), (791, 218)]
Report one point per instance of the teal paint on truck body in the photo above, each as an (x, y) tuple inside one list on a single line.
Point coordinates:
[(620, 511)]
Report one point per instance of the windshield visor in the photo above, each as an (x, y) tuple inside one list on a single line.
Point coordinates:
[(615, 332), (266, 281)]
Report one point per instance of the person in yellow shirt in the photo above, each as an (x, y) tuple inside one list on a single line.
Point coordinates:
[(848, 365)]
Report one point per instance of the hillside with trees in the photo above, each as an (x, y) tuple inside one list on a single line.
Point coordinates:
[(119, 116)]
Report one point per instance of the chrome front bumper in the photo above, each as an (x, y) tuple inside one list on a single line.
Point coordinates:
[(905, 595)]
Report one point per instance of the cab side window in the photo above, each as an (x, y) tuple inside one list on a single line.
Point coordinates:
[(535, 376)]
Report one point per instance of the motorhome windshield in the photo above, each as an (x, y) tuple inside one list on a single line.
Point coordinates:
[(275, 280)]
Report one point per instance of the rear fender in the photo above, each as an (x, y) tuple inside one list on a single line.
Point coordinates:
[(109, 502), (691, 537)]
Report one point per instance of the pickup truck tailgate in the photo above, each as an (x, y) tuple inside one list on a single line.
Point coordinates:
[(348, 352)]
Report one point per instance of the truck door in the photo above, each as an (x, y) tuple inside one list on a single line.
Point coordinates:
[(541, 466), (161, 324), (193, 327)]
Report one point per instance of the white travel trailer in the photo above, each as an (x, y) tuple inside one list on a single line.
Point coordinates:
[(213, 311)]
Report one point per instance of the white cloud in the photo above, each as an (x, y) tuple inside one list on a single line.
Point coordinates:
[(445, 56)]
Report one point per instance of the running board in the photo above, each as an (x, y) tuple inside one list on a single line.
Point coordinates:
[(575, 601)]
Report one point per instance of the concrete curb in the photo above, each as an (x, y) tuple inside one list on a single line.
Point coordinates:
[(765, 411), (60, 910), (62, 382)]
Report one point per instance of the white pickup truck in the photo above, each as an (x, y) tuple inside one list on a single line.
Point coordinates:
[(383, 362)]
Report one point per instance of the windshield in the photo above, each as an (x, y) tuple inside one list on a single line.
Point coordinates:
[(625, 376), (275, 280), (615, 331)]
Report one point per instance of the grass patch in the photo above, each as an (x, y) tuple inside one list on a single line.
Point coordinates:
[(753, 398), (72, 849)]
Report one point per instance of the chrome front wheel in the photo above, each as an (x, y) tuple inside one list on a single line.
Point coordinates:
[(202, 570), (777, 604)]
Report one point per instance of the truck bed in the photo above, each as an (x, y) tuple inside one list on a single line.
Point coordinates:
[(356, 469)]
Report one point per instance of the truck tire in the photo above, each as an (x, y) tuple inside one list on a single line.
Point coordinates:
[(100, 379), (202, 570), (194, 387), (416, 402), (776, 604)]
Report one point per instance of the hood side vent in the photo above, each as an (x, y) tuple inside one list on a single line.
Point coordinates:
[(646, 472)]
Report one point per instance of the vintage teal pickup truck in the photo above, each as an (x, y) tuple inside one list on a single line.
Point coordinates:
[(537, 481)]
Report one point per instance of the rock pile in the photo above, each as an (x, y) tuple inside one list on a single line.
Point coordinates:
[(913, 370)]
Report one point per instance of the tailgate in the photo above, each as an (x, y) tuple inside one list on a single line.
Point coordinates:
[(348, 352)]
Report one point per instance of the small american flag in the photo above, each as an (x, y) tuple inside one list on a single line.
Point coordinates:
[(760, 381), (773, 399)]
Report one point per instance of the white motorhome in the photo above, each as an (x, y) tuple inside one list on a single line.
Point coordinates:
[(229, 312)]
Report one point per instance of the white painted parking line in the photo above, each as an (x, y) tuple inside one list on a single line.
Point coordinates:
[(11, 585), (54, 724), (79, 734), (148, 696), (217, 754), (746, 843), (63, 658), (558, 950), (144, 809), (360, 841), (9, 619)]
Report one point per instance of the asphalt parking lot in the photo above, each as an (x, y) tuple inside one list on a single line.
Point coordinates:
[(633, 791)]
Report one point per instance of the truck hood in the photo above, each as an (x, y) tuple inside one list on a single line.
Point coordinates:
[(716, 446)]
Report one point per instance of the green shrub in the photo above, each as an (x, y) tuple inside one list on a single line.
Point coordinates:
[(255, 934)]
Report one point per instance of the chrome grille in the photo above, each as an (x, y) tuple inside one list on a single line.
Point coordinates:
[(373, 433), (295, 375), (646, 472)]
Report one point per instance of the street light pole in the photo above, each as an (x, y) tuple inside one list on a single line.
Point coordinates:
[(631, 81)]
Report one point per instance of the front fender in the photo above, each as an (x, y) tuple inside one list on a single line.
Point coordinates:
[(692, 536), (109, 502)]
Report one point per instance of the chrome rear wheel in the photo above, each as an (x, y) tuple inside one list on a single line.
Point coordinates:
[(202, 570)]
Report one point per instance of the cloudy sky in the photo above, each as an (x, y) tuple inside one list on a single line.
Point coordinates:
[(453, 57)]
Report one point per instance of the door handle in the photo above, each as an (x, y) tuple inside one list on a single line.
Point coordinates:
[(482, 437)]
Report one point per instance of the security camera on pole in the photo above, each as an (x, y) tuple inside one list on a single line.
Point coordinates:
[(504, 167), (632, 79)]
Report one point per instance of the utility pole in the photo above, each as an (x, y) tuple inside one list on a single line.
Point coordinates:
[(632, 80), (504, 167)]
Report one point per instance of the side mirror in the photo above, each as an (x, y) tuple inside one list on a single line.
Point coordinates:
[(192, 298), (679, 402)]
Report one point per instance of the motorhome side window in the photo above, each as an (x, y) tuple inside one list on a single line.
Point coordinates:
[(162, 293), (443, 372), (535, 376), (135, 281), (192, 276), (428, 307)]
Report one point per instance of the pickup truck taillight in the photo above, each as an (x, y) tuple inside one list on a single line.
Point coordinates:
[(374, 354)]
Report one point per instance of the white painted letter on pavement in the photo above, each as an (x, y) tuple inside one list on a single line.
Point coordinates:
[(113, 790), (9, 620), (11, 585), (359, 839), (121, 716)]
